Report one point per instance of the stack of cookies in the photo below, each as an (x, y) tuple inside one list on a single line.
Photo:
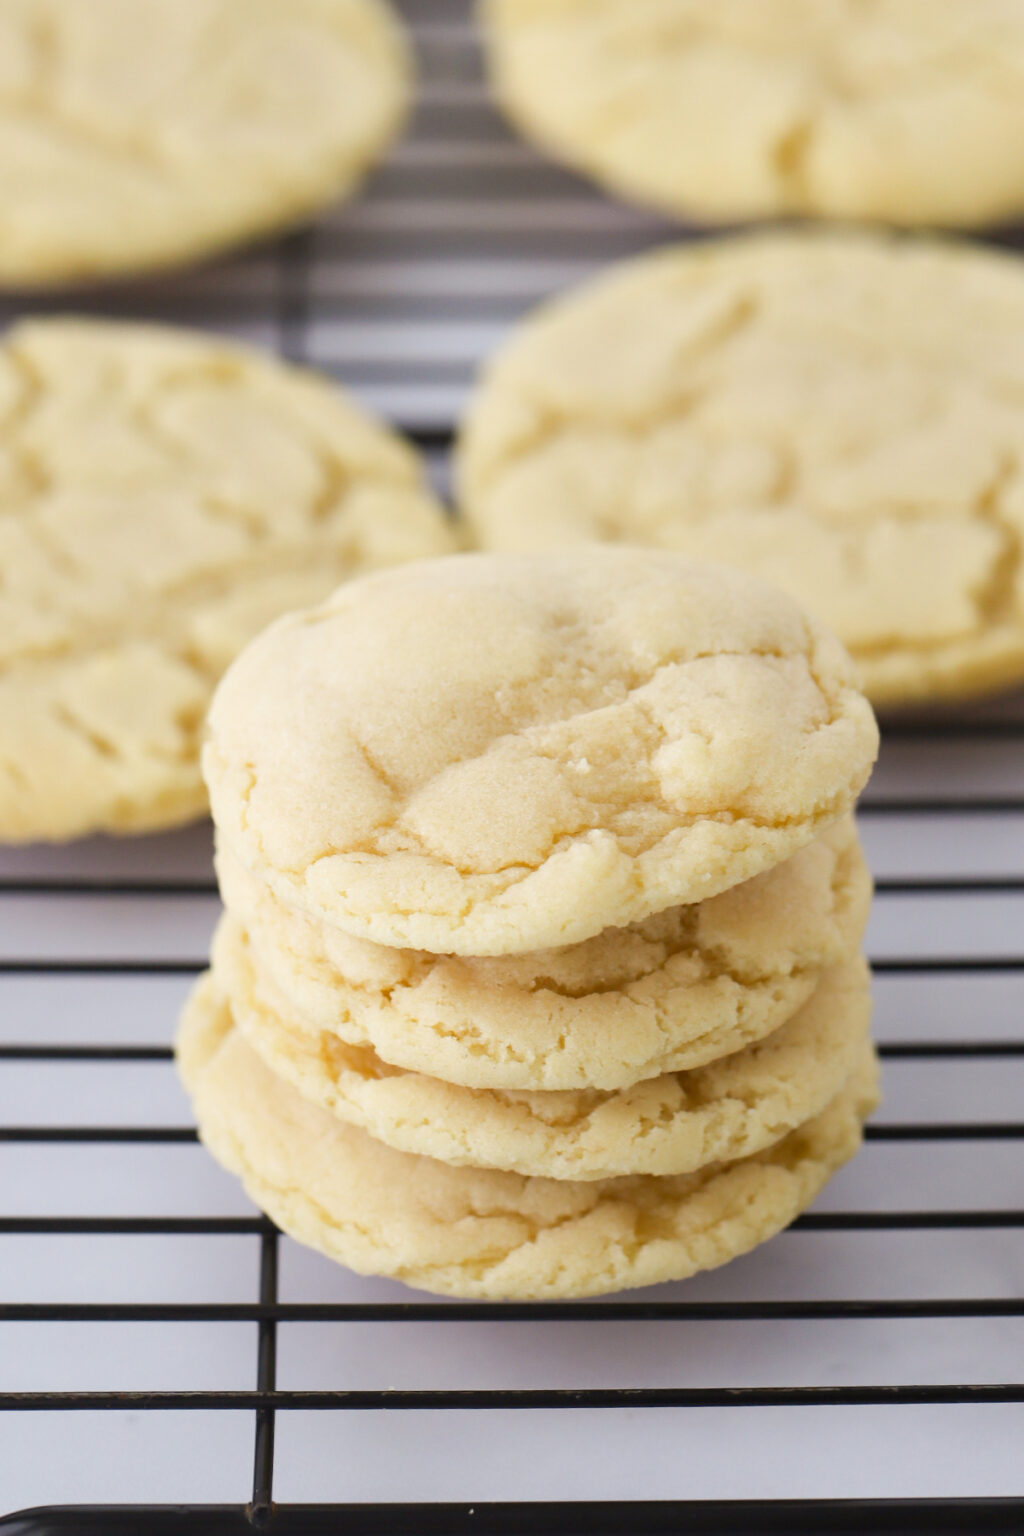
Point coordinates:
[(540, 969)]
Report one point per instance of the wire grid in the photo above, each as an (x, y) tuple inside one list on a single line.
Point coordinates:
[(400, 295)]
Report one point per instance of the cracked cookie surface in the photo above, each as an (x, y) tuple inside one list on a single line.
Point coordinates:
[(841, 415), (140, 133), (679, 989), (481, 1232), (165, 495), (495, 754), (902, 111), (673, 1124)]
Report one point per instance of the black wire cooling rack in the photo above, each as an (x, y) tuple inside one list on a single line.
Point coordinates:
[(160, 1342), (266, 1401)]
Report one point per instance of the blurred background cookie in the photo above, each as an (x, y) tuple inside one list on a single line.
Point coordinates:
[(165, 495), (142, 133), (841, 414), (907, 111)]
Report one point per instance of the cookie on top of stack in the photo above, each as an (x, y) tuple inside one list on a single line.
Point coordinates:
[(540, 969)]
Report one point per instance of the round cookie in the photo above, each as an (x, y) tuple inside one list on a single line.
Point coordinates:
[(842, 415), (901, 111), (682, 988), (490, 755), (678, 1123), (480, 1232), (165, 495), (141, 133)]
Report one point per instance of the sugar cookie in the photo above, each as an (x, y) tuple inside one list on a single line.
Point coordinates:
[(677, 1123), (496, 754), (141, 133), (472, 1232), (164, 496), (841, 415), (905, 111), (679, 989)]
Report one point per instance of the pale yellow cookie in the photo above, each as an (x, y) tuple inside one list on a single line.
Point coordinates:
[(140, 133), (841, 415), (673, 1124), (905, 111), (681, 988), (489, 755), (164, 495), (472, 1232)]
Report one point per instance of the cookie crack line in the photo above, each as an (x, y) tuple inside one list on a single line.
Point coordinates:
[(849, 887), (169, 631), (826, 812), (479, 479), (997, 601), (716, 1113), (41, 104), (135, 150), (549, 421), (675, 1003), (180, 602), (595, 824)]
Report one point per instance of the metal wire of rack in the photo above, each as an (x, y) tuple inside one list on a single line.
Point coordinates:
[(869, 1361)]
